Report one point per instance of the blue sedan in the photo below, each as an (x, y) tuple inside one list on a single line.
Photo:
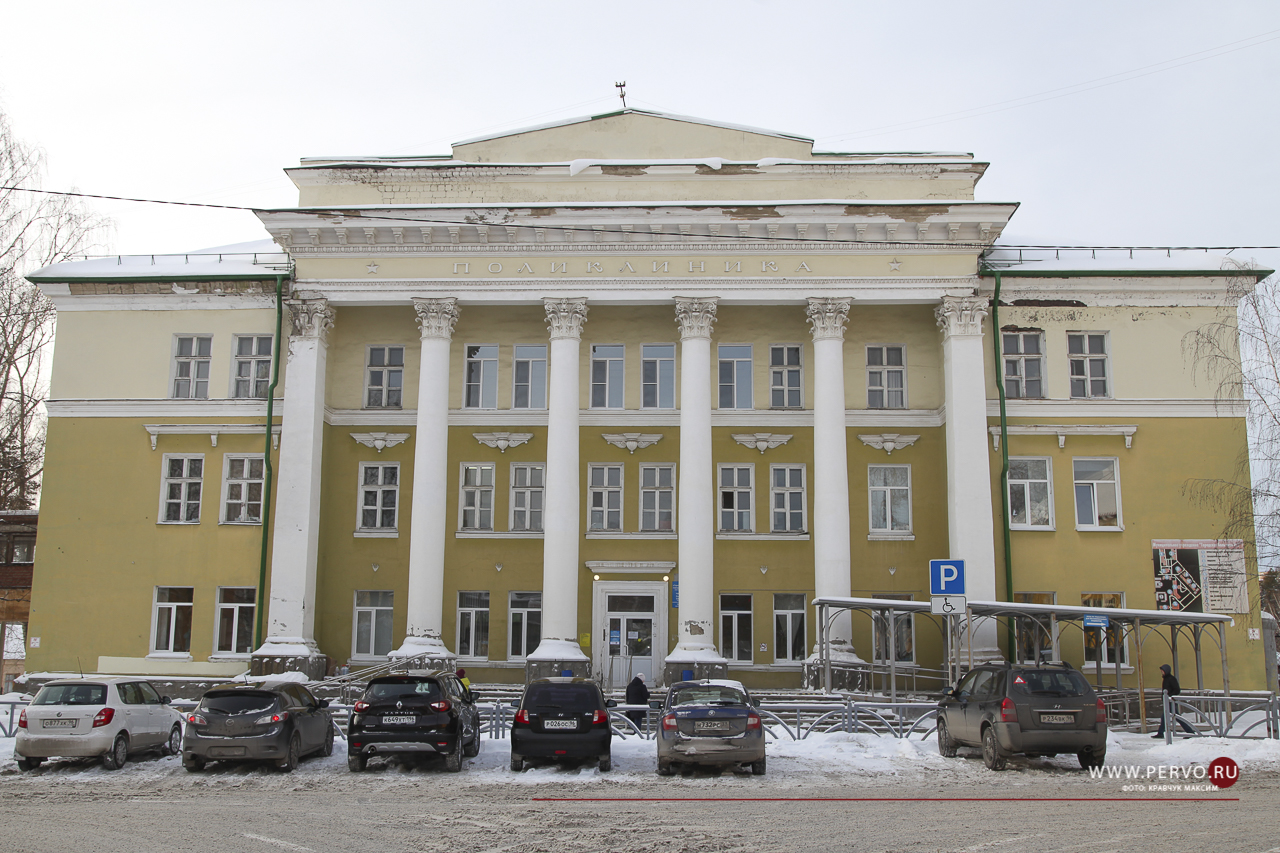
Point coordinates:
[(712, 723)]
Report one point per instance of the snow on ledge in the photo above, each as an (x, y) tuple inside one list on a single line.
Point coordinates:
[(553, 650)]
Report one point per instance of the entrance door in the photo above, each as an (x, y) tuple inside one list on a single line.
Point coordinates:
[(630, 624)]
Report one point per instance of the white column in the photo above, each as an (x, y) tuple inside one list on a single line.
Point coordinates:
[(428, 526), (696, 503), (971, 531), (561, 520), (830, 472), (296, 527)]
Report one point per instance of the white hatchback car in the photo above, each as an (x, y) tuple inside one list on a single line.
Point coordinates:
[(109, 717)]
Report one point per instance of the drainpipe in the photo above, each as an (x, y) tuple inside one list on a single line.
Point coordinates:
[(266, 486), (1004, 467)]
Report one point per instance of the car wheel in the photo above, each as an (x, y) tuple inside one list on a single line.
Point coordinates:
[(472, 748), (606, 763), (758, 767), (1092, 758), (28, 763), (289, 763), (327, 750), (173, 746), (193, 763), (946, 743), (115, 757), (453, 761), (991, 755), (357, 763), (517, 764), (666, 768)]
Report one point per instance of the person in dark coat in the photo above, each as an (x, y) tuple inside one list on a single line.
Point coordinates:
[(1169, 684), (637, 694)]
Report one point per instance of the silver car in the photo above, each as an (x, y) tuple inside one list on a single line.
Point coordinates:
[(108, 717)]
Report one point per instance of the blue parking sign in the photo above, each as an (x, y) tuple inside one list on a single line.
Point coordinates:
[(946, 577)]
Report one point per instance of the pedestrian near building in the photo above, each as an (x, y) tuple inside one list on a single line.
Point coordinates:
[(1169, 684), (462, 676), (637, 694)]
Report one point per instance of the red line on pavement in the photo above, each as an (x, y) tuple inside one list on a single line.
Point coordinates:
[(882, 799)]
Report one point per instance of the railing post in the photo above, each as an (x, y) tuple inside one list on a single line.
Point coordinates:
[(1166, 704)]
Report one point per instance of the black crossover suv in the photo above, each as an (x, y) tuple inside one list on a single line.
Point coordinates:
[(431, 714), (275, 721), (562, 719)]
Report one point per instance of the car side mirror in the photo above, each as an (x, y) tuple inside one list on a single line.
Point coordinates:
[(514, 703), (323, 703), (473, 697), (655, 704), (164, 700), (755, 703), (611, 703)]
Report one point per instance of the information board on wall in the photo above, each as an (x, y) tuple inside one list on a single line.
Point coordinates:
[(1200, 575)]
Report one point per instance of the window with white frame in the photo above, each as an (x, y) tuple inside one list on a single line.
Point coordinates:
[(886, 377), (379, 495), (890, 498), (171, 619), (904, 644), (604, 497), (788, 627), (476, 502), (1104, 640), (735, 627), (1032, 633), (1087, 353), (787, 498), (1023, 354), (529, 377), (657, 497), (180, 495), (371, 623), (785, 376), (242, 489), (526, 496), (735, 376), (384, 378), (525, 613), (191, 358), (658, 376), (736, 512), (1097, 486), (607, 361), (1030, 493), (252, 368), (481, 379), (473, 624), (235, 620)]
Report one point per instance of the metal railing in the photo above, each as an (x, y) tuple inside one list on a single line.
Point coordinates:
[(1211, 714)]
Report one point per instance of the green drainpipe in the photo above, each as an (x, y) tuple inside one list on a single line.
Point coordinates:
[(266, 486), (1004, 466)]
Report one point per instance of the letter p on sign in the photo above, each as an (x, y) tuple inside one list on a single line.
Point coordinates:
[(946, 577)]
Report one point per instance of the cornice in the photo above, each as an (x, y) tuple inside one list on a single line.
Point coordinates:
[(211, 430), (1133, 408), (752, 247), (159, 408)]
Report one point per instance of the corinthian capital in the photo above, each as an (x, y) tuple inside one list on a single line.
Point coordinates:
[(961, 315), (436, 317), (565, 317), (310, 318), (695, 317), (827, 315)]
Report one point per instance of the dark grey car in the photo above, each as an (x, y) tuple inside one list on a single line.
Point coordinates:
[(278, 722)]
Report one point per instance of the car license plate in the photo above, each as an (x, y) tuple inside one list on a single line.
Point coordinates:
[(559, 724), (59, 724), (403, 721), (1057, 718), (710, 725)]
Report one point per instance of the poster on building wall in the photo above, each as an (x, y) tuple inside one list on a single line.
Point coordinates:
[(1200, 575)]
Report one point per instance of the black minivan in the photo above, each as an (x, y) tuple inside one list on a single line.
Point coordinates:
[(275, 721), (562, 719)]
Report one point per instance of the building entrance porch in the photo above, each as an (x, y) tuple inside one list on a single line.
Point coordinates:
[(629, 627)]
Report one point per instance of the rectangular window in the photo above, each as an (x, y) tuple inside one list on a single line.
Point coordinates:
[(372, 623), (1087, 353), (379, 495), (171, 617), (529, 378), (473, 624), (477, 497), (252, 368), (526, 497), (191, 367), (1023, 364), (904, 646), (24, 549), (180, 498), (384, 378), (736, 512), (1097, 483), (604, 497), (787, 498), (606, 376), (735, 376), (235, 620), (657, 497), (1106, 639), (784, 376), (735, 628), (525, 609), (890, 494), (481, 391), (788, 627), (1032, 634), (886, 377), (242, 489), (1031, 493), (658, 376)]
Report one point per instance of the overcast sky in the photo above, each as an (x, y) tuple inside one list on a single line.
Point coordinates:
[(1113, 123)]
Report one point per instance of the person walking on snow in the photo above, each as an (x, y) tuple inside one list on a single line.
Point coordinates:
[(1169, 684), (637, 694)]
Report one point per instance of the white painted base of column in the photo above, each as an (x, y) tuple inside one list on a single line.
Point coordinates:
[(289, 654), (704, 661), (289, 647), (558, 650), (554, 658), (430, 648)]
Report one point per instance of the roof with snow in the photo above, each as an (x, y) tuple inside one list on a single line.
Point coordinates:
[(259, 259), (1102, 262)]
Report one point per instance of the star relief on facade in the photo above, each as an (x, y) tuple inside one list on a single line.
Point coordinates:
[(762, 441), (889, 441), (961, 315), (310, 318), (695, 316), (379, 441), (632, 441), (827, 316), (436, 317), (502, 440), (565, 317)]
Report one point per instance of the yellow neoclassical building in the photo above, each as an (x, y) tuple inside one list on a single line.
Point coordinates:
[(622, 394)]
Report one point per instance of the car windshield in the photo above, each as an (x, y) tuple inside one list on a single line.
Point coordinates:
[(1050, 683), (708, 694), (71, 694), (570, 698), (396, 689), (234, 704)]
